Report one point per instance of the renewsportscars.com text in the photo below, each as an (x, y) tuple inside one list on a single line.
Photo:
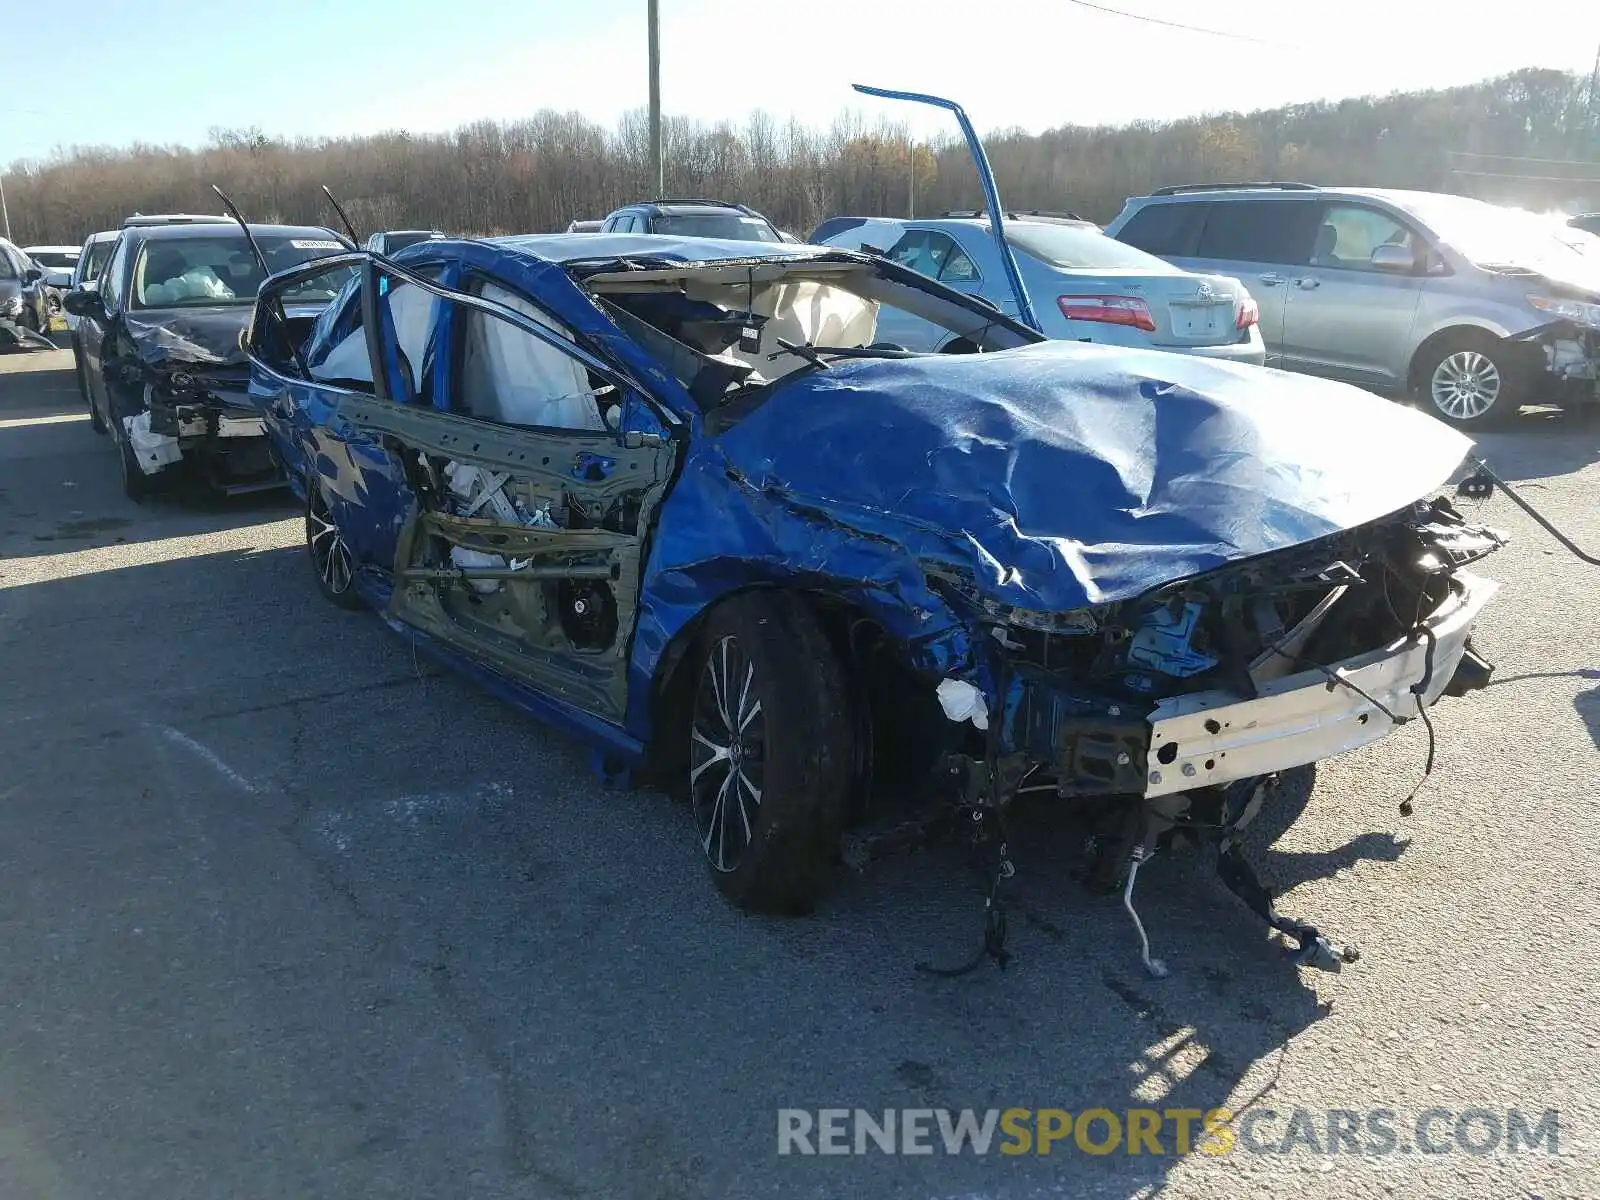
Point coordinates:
[(1372, 1132)]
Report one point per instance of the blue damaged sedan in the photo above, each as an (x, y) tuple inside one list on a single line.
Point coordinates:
[(677, 497)]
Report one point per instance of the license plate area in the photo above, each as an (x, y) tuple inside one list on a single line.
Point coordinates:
[(1200, 322)]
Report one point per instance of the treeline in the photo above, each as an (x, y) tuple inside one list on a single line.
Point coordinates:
[(1521, 138)]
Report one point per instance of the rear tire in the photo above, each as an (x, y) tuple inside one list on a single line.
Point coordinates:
[(771, 751), (329, 555), (1470, 380)]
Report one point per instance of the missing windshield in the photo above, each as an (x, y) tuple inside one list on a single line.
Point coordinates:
[(727, 328)]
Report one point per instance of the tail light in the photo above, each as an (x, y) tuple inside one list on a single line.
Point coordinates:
[(1249, 312), (1108, 310)]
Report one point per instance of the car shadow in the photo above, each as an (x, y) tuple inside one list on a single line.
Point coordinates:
[(1588, 705), (1541, 443), (471, 846)]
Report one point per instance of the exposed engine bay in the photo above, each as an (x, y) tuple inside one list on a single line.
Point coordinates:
[(1571, 359), (202, 416), (1173, 714)]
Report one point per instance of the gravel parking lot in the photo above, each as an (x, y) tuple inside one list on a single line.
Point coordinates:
[(289, 913)]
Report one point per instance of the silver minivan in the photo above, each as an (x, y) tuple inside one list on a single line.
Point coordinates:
[(1473, 308)]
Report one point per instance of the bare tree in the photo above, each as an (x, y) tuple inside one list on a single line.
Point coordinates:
[(538, 173)]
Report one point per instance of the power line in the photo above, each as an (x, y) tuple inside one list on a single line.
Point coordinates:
[(1220, 33), (1535, 178), (1549, 162)]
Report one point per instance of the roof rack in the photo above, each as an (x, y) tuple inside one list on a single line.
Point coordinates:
[(697, 200), (964, 213), (1044, 212), (1261, 184), (139, 219)]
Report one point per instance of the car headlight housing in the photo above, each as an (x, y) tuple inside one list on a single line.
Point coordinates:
[(1584, 312)]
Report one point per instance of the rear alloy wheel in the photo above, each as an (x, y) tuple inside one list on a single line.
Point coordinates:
[(770, 752), (330, 557), (1468, 381)]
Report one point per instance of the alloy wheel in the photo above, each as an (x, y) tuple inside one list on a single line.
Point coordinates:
[(329, 554), (1465, 385), (727, 754)]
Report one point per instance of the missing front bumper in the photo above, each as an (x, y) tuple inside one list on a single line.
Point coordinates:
[(1210, 738)]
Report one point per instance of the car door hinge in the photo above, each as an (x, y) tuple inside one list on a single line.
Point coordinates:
[(634, 440)]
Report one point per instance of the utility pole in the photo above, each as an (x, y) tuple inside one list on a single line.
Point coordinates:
[(1590, 108), (911, 184), (5, 213), (657, 166)]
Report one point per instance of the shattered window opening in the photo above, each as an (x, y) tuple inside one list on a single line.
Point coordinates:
[(699, 318)]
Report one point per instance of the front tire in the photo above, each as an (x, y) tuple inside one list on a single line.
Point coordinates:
[(771, 752), (330, 556), (136, 485), (1470, 381)]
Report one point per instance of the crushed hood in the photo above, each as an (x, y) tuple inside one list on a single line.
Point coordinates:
[(1063, 475), (194, 336), (201, 336)]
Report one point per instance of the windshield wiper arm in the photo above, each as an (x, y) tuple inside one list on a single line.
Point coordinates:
[(803, 350), (865, 352), (813, 354)]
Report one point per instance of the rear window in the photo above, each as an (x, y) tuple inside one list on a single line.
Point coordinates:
[(94, 261), (1262, 231), (54, 258), (1072, 247), (733, 226), (1170, 230), (399, 241)]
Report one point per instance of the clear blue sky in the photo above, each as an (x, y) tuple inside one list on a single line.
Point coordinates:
[(111, 72)]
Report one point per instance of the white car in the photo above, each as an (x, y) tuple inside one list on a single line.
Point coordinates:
[(87, 262), (57, 262)]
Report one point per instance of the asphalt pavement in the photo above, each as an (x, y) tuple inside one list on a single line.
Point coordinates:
[(289, 913)]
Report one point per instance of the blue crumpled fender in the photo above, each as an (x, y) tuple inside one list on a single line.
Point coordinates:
[(718, 534)]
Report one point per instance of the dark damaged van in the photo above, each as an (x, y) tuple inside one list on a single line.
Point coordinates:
[(159, 339)]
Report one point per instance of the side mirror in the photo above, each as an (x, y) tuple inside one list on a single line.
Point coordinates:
[(32, 275), (1395, 260), (81, 302)]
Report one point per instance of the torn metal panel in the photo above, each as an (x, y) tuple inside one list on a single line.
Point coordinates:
[(527, 548)]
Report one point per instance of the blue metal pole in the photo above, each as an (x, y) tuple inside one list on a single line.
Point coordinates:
[(991, 192)]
